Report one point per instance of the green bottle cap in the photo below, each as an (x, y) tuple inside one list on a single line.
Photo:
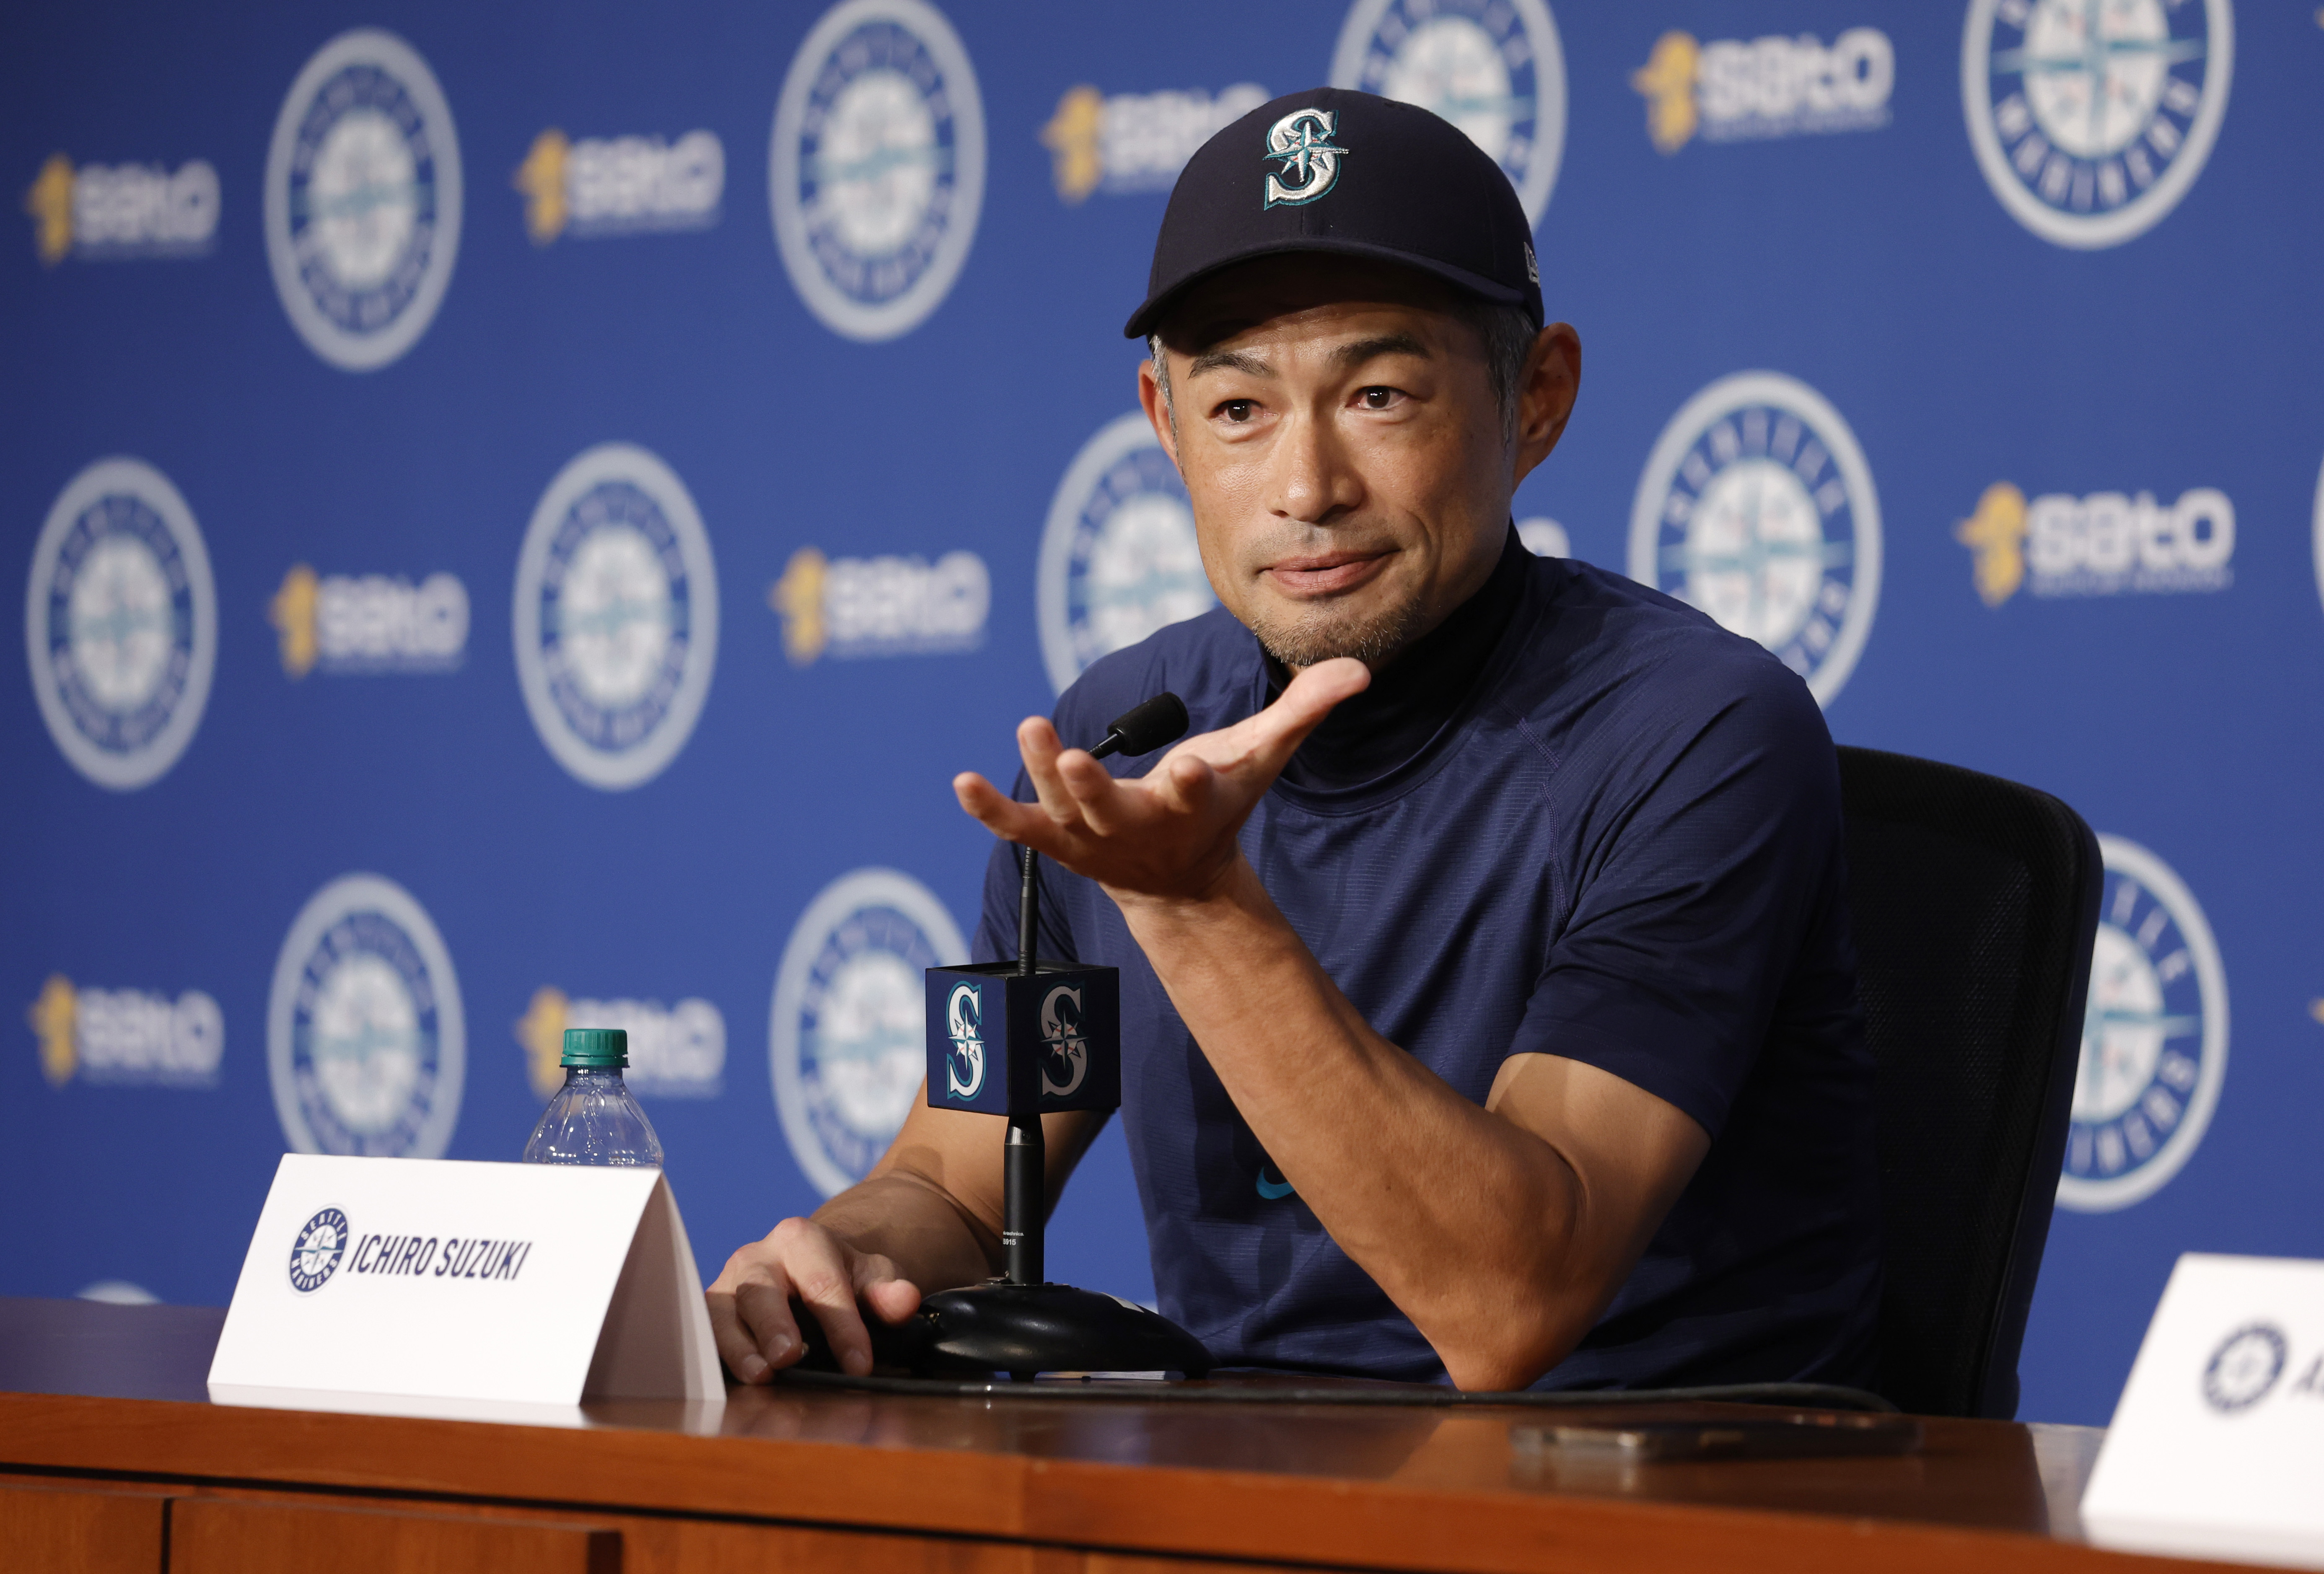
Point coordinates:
[(596, 1046)]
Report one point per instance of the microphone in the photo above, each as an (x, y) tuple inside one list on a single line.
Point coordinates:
[(1143, 729)]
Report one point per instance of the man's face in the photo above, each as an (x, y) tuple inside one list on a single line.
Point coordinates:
[(1337, 430)]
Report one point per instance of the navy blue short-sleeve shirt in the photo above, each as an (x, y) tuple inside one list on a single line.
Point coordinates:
[(1622, 844)]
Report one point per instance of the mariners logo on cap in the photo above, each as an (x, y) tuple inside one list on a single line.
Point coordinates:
[(120, 623), (2090, 122), (1307, 163), (1493, 68), (365, 1045), (616, 616), (1119, 556), (2154, 1036), (847, 1039), (362, 199), (877, 166), (1757, 507)]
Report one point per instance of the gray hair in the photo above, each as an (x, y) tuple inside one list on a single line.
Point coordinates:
[(1507, 333)]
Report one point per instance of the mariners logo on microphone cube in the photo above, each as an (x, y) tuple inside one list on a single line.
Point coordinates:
[(1004, 1042)]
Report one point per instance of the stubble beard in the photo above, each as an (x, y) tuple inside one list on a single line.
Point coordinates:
[(1322, 633)]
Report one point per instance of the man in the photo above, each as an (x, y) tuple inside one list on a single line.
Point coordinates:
[(1487, 1007)]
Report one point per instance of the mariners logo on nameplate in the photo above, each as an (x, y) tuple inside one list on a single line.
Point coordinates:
[(1118, 556), (1757, 507), (2154, 1036), (120, 623), (616, 616), (846, 1033), (1493, 68), (362, 199), (877, 167), (2091, 121), (365, 1044), (315, 1255)]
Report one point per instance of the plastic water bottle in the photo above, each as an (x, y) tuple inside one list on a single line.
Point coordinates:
[(595, 1118)]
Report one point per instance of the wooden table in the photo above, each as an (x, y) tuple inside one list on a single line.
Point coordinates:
[(112, 1456)]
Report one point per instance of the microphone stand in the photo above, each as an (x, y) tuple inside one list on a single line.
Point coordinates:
[(1019, 1323)]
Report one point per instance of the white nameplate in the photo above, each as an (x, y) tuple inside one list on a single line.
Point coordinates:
[(2215, 1446), (524, 1285)]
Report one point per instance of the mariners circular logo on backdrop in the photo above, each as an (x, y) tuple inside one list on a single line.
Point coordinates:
[(1757, 507), (364, 1041), (848, 1040), (120, 623), (2155, 1037), (362, 199), (877, 167), (1119, 556), (1493, 68), (315, 1255), (616, 616), (2089, 121)]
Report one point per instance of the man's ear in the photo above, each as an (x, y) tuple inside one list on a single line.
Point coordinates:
[(1151, 399), (1546, 394)]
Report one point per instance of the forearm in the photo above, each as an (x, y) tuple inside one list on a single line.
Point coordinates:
[(1468, 1221)]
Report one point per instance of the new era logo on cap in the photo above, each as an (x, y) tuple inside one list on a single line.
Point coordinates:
[(1404, 186)]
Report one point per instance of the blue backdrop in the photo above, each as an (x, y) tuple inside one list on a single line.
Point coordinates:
[(524, 508)]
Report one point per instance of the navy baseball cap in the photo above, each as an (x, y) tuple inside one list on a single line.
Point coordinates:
[(1333, 169)]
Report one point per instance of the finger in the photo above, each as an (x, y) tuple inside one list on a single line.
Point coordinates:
[(825, 1286), (1104, 806), (736, 1346), (1186, 783), (765, 1311), (1037, 746), (891, 1298), (1283, 726), (1001, 815)]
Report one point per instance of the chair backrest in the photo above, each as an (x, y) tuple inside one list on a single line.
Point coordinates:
[(1974, 902)]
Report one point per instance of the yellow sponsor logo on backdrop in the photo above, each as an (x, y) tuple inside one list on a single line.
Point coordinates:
[(798, 595), (52, 1017), (2105, 544), (1667, 81), (122, 210), (541, 1031), (1731, 90), (126, 1036), (1996, 535), (887, 605), (624, 185), (1123, 142), (292, 613), (541, 180), (676, 1052)]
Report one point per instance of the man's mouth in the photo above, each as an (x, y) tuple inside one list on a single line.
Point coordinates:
[(1321, 574)]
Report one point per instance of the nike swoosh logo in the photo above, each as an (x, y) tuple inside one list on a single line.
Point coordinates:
[(1274, 1189)]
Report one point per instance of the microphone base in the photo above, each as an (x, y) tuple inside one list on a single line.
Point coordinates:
[(1025, 1330)]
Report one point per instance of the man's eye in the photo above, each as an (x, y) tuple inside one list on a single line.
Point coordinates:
[(1377, 398), (1238, 411)]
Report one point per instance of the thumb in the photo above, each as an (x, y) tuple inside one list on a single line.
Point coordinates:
[(1302, 706)]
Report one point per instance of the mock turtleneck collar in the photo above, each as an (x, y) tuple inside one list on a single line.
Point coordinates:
[(1410, 700)]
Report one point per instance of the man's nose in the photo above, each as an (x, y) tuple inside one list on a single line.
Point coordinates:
[(1314, 481)]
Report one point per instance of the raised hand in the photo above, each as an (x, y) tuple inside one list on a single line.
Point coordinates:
[(1170, 833)]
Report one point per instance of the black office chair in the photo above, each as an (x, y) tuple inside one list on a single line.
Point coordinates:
[(1975, 903)]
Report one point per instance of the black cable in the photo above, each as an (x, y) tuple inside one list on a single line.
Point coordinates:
[(1407, 1395)]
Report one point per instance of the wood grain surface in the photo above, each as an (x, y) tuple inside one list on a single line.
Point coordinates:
[(887, 1485)]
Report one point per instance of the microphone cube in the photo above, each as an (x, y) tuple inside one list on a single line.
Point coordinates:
[(1005, 1043)]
